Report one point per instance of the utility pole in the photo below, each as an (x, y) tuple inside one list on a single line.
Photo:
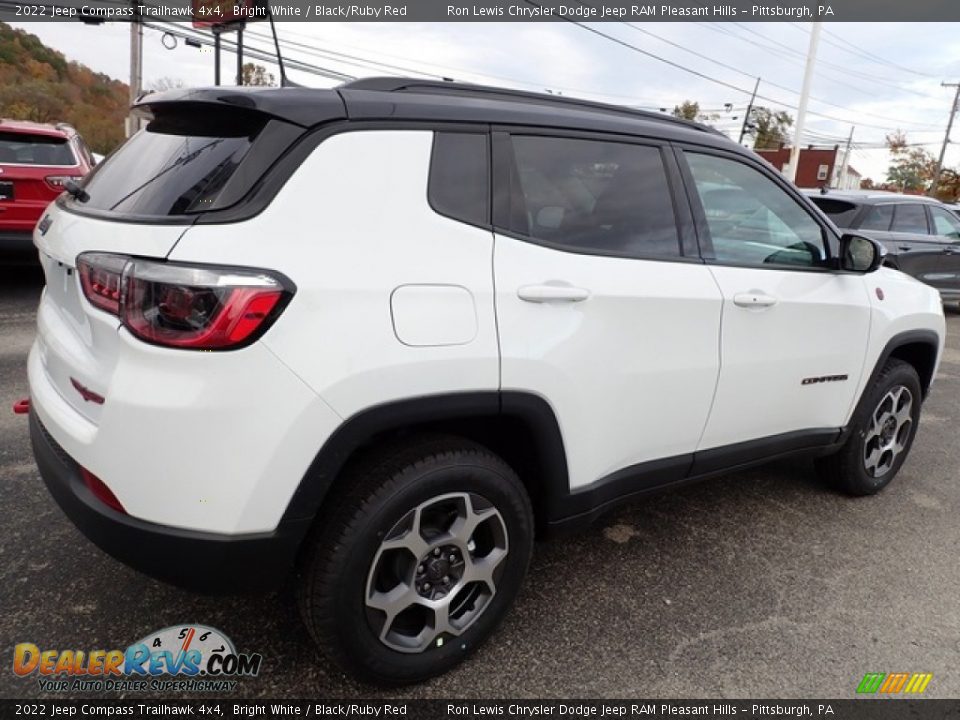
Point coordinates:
[(136, 69), (804, 100), (746, 118), (216, 54), (946, 138), (842, 180)]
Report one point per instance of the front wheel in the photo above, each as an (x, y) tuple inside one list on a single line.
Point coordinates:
[(419, 557), (881, 434)]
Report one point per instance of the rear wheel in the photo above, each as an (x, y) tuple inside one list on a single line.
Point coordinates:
[(882, 433), (417, 560)]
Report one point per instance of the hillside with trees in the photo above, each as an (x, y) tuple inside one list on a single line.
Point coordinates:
[(38, 83)]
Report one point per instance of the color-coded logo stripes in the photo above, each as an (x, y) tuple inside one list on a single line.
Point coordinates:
[(892, 683)]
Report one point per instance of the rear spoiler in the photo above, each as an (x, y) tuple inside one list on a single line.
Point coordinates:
[(300, 106)]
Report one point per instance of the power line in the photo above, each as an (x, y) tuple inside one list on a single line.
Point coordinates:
[(794, 55), (840, 68), (768, 82), (699, 74)]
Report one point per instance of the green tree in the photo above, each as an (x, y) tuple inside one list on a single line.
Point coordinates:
[(768, 128), (690, 110), (911, 168)]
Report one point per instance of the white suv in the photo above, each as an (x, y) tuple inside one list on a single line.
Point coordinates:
[(380, 335)]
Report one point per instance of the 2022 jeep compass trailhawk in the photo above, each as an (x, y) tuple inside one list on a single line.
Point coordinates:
[(382, 334)]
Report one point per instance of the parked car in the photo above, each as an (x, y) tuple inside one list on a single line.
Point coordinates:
[(922, 235), (36, 160), (380, 335)]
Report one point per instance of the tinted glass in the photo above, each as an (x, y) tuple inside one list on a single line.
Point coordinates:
[(945, 223), (460, 177), (175, 166), (593, 196), (24, 149), (752, 220), (841, 212), (878, 217), (910, 218)]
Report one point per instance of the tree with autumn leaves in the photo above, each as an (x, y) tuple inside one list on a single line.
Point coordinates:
[(912, 169), (40, 84)]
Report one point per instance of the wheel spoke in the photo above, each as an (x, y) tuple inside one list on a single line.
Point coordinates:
[(483, 569), (411, 540), (392, 602), (903, 414)]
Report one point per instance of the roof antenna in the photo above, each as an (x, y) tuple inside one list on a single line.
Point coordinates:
[(276, 43)]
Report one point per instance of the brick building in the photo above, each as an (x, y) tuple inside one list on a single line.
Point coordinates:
[(818, 166)]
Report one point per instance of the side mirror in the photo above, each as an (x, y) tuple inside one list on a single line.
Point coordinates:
[(860, 254)]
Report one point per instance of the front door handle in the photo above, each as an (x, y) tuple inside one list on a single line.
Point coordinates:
[(754, 299), (552, 293), (905, 248)]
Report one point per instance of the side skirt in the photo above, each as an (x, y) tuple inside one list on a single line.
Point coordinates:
[(581, 507)]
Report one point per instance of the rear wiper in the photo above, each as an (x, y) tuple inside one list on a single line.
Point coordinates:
[(77, 192)]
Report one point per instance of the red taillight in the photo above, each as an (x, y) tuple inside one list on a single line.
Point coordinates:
[(100, 277), (203, 308), (57, 182), (101, 491)]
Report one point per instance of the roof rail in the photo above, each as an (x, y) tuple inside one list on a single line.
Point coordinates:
[(401, 84)]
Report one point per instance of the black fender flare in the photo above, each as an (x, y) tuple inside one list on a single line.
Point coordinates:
[(361, 428)]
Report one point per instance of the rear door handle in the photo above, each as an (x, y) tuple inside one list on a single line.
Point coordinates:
[(754, 300), (905, 248), (552, 293)]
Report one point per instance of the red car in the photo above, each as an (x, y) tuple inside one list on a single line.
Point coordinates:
[(35, 162)]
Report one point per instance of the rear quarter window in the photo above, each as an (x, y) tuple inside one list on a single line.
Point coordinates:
[(841, 212), (459, 186)]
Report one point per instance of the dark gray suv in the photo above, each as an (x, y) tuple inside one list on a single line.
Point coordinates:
[(921, 235)]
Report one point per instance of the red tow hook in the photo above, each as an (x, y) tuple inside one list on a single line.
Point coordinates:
[(21, 407)]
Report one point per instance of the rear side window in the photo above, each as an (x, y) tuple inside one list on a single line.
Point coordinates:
[(175, 166), (878, 217), (910, 218), (593, 196), (26, 149), (459, 184), (841, 212)]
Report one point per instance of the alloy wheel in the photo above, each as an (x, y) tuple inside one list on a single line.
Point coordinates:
[(436, 571)]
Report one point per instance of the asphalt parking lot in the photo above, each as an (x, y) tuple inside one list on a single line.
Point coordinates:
[(758, 584)]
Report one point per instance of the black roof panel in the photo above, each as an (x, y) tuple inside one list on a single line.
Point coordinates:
[(390, 98)]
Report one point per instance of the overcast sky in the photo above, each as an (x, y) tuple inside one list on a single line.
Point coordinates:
[(876, 76)]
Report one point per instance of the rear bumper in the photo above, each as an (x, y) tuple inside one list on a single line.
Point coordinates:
[(204, 562)]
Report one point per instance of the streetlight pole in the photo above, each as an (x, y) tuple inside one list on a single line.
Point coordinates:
[(136, 69), (804, 100)]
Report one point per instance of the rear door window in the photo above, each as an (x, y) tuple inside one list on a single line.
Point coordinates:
[(27, 149), (175, 166), (593, 196), (910, 218), (878, 217)]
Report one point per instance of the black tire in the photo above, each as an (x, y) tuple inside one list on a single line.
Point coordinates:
[(847, 469), (377, 493)]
